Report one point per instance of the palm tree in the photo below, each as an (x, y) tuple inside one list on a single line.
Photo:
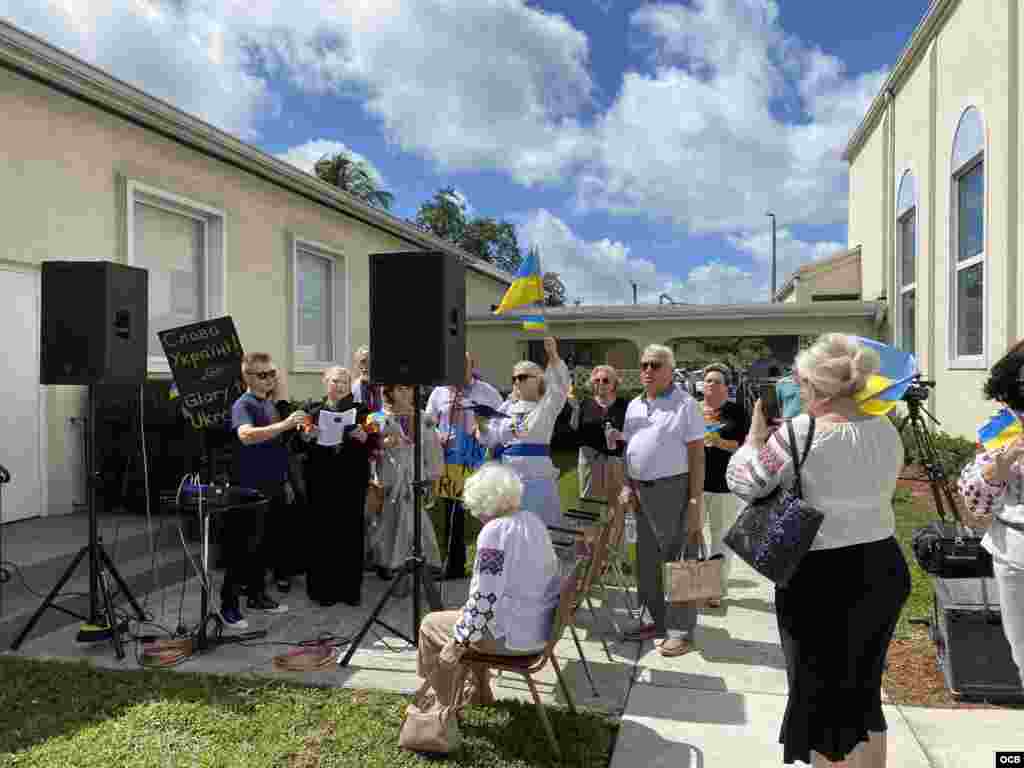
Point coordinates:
[(343, 171)]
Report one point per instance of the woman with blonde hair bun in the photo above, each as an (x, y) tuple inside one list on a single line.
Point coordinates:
[(837, 614)]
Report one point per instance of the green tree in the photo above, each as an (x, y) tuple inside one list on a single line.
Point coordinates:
[(353, 176), (443, 215), (554, 290), (492, 241)]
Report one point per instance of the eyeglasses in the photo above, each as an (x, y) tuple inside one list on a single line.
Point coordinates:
[(263, 375), (600, 381), (652, 364), (522, 377)]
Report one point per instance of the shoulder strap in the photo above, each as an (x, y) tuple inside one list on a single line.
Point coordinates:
[(798, 461)]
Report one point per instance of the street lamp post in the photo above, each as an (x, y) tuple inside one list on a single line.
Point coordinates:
[(772, 215)]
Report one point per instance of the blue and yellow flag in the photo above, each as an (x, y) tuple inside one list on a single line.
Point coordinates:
[(885, 388), (173, 393), (534, 323), (527, 288), (1000, 430)]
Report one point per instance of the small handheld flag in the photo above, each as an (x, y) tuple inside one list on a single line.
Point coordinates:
[(1000, 430), (711, 428), (534, 323), (886, 388), (527, 288), (173, 393)]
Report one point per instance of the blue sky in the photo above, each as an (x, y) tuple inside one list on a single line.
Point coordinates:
[(629, 141)]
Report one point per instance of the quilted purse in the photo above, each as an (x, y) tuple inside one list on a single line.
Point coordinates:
[(773, 534)]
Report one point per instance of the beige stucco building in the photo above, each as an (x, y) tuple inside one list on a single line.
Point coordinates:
[(935, 171), (94, 169), (836, 278)]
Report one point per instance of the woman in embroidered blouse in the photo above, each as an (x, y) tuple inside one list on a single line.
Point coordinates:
[(993, 489), (837, 615), (521, 436), (513, 594)]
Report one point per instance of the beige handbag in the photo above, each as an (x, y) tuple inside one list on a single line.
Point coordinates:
[(430, 727), (690, 581)]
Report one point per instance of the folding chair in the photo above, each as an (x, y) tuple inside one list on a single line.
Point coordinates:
[(527, 666), (583, 562), (616, 556)]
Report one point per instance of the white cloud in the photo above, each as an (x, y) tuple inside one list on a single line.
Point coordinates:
[(697, 142), (601, 271), (694, 139), (305, 156), (184, 57)]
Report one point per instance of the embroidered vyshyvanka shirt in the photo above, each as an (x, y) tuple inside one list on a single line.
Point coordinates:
[(1002, 500), (850, 475), (515, 586)]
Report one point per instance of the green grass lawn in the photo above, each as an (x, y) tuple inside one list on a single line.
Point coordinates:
[(911, 514), (71, 715)]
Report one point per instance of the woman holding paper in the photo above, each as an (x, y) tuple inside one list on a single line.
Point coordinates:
[(992, 486), (520, 436), (337, 476)]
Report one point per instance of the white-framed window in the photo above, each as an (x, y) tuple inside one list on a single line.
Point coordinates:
[(906, 263), (319, 306), (182, 244), (967, 276)]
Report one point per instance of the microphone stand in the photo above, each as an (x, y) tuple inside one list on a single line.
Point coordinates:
[(415, 566)]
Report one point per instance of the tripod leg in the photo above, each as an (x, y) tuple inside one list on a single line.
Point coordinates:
[(109, 565), (354, 645), (108, 607), (430, 589), (49, 598)]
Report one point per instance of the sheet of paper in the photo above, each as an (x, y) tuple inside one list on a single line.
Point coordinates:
[(331, 426)]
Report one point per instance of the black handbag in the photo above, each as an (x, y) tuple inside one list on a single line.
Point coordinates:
[(773, 534)]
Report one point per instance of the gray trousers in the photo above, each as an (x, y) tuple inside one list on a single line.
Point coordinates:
[(664, 501)]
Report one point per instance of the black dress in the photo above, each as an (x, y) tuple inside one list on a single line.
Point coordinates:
[(336, 481)]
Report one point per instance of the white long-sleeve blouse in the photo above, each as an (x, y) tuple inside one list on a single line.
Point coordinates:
[(850, 475)]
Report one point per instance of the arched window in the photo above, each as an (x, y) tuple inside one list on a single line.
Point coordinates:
[(906, 262), (967, 214)]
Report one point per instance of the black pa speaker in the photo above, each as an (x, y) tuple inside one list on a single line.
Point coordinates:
[(969, 640), (94, 322), (417, 318)]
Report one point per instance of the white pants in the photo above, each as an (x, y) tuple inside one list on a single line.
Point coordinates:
[(1010, 579), (720, 512)]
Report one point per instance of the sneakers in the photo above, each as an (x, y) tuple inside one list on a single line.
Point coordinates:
[(232, 618), (264, 604), (640, 632)]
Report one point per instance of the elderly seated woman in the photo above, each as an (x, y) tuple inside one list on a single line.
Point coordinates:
[(513, 594)]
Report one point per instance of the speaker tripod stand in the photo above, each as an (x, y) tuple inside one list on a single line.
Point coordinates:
[(101, 568), (415, 567)]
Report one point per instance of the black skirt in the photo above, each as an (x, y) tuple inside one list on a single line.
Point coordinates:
[(836, 619)]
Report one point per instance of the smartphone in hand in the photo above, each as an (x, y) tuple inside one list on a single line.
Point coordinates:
[(769, 403)]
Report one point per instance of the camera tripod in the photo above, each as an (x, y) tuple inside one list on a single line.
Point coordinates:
[(415, 566), (942, 493), (101, 567)]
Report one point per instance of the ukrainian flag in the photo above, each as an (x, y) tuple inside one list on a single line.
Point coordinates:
[(534, 323), (173, 393), (1000, 430), (885, 388), (527, 288)]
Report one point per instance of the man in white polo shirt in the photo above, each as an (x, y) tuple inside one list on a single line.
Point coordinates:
[(664, 434)]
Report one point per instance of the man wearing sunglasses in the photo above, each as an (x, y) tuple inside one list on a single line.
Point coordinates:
[(664, 434), (257, 540)]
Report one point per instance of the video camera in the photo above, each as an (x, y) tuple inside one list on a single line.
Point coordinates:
[(919, 390)]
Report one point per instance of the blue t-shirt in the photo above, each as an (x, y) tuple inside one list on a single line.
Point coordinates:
[(788, 393), (263, 464)]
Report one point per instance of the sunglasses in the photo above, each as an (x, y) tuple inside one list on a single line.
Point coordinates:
[(601, 381), (522, 377), (652, 364), (264, 375)]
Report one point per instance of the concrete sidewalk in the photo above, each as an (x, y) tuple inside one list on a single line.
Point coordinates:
[(722, 705)]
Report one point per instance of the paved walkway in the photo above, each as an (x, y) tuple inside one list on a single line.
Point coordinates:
[(720, 706)]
